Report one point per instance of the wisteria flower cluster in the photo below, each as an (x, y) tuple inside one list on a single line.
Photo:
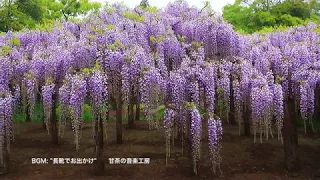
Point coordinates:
[(47, 92)]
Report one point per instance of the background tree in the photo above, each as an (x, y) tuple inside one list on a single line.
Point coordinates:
[(12, 18), (18, 14), (251, 16), (76, 8), (31, 8), (144, 3)]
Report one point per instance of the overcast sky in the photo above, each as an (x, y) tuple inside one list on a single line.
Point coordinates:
[(216, 4)]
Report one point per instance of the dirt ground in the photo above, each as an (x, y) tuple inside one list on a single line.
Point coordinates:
[(242, 159)]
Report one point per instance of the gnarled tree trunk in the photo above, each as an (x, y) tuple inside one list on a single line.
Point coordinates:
[(246, 116), (27, 112), (232, 109), (289, 131), (131, 111), (119, 117), (4, 157), (99, 163), (138, 107), (40, 101), (53, 118)]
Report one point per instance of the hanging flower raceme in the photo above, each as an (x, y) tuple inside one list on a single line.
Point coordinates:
[(47, 92), (214, 141), (176, 88), (172, 52), (5, 73), (238, 100), (278, 100), (131, 70), (175, 95), (261, 103), (168, 122), (306, 103), (196, 135), (126, 82), (78, 94), (194, 91), (160, 62), (29, 93), (152, 91), (208, 79), (98, 91), (6, 115), (64, 101), (17, 95)]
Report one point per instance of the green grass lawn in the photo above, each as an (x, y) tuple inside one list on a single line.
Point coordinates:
[(19, 116)]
